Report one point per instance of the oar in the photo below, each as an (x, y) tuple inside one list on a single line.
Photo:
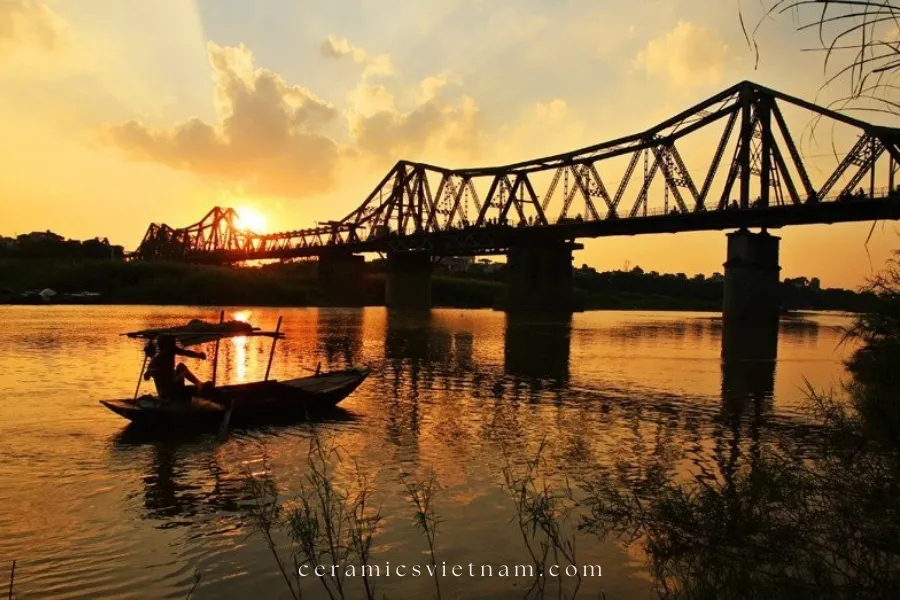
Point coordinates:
[(12, 577), (272, 350), (141, 376), (223, 430)]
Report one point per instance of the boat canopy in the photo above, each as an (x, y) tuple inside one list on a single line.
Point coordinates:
[(200, 332)]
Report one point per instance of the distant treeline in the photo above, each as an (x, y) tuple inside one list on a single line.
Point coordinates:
[(122, 282), (477, 286), (705, 293), (46, 244), (635, 289)]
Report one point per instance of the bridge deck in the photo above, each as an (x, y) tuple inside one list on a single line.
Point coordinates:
[(498, 239)]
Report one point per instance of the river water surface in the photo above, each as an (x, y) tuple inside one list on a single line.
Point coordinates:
[(88, 510)]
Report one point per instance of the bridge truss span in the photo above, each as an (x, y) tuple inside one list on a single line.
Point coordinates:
[(734, 151), (732, 161)]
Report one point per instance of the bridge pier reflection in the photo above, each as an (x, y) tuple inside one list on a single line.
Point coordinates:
[(341, 279), (536, 349), (340, 336), (408, 283), (749, 351)]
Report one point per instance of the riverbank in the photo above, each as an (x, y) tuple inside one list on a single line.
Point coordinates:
[(295, 284)]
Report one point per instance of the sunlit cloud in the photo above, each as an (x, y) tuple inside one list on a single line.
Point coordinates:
[(545, 127), (268, 138), (337, 47), (685, 56), (29, 22), (435, 126)]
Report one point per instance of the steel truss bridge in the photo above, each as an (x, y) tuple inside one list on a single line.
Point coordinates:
[(729, 162)]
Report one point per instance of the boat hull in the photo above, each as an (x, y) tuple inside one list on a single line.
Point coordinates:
[(252, 403)]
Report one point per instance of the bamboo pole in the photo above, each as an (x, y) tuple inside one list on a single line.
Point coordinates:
[(216, 356), (141, 376), (12, 577), (272, 350)]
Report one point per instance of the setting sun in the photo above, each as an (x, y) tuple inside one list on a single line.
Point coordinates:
[(250, 219)]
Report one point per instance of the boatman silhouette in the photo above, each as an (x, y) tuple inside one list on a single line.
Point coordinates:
[(168, 377)]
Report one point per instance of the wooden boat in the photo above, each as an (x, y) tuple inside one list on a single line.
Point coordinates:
[(242, 403), (253, 402)]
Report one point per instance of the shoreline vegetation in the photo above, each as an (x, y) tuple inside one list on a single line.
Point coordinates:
[(475, 285)]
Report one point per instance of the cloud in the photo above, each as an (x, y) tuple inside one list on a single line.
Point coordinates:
[(540, 129), (268, 140), (552, 110), (687, 55), (28, 22), (270, 136), (368, 99), (335, 47), (432, 128)]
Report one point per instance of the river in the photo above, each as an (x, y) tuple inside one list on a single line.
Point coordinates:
[(89, 511)]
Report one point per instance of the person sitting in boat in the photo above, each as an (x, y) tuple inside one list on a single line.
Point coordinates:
[(168, 377)]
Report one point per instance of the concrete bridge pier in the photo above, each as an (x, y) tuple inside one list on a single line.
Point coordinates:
[(751, 280), (539, 278), (408, 282), (341, 279)]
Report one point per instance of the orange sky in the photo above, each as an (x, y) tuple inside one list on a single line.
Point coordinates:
[(118, 114)]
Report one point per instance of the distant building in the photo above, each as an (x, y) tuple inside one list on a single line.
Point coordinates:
[(798, 282), (486, 265), (40, 236), (101, 248), (458, 263), (46, 244)]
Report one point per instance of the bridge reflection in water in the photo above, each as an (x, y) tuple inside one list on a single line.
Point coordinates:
[(536, 348), (339, 337), (749, 353)]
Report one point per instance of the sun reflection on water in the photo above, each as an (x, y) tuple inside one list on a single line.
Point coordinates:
[(235, 351), (240, 356)]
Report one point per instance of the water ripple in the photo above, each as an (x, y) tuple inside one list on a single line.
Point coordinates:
[(90, 510)]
